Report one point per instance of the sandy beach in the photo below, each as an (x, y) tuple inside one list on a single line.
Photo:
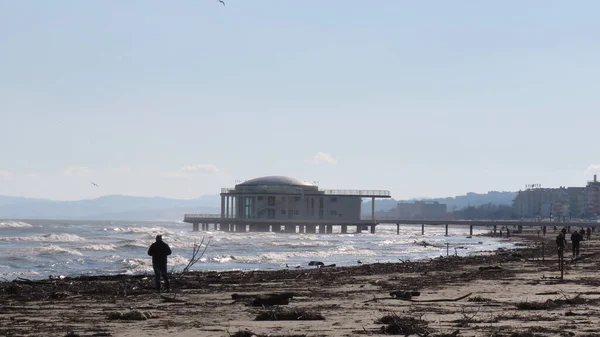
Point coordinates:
[(503, 293)]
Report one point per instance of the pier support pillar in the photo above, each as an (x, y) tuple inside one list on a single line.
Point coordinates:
[(311, 229), (422, 229), (240, 228), (344, 229), (446, 229), (329, 229), (358, 229), (397, 229), (290, 228), (302, 229), (544, 230), (471, 230), (372, 229), (494, 229), (321, 229), (195, 227)]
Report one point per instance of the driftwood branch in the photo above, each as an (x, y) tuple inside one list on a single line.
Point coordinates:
[(195, 257), (375, 299)]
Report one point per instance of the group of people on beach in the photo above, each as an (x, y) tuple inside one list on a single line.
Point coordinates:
[(576, 238)]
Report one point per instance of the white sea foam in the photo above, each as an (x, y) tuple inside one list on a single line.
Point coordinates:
[(45, 238), (98, 247), (51, 250), (14, 224)]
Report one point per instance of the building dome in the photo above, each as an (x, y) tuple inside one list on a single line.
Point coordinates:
[(276, 181)]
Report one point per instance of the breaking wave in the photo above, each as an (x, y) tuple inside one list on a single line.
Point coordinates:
[(14, 224)]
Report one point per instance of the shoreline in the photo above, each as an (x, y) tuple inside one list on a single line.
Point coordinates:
[(350, 298)]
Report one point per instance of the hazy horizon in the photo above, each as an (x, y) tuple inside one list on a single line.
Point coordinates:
[(181, 99)]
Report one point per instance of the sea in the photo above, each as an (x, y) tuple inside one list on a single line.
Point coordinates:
[(38, 249)]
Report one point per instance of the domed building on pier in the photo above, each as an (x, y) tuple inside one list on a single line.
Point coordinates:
[(280, 200)]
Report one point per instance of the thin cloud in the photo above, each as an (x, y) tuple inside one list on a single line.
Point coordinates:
[(78, 171), (595, 168), (192, 170), (323, 158)]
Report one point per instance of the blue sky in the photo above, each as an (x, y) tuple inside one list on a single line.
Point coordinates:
[(181, 98)]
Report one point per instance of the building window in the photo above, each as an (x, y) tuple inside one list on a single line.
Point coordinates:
[(297, 212), (259, 198), (334, 213), (333, 199), (283, 211), (271, 201)]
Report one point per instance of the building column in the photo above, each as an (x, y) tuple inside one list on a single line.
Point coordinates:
[(373, 208), (222, 206), (195, 227), (397, 229), (329, 229), (311, 229), (446, 229), (358, 229), (321, 229), (471, 230), (372, 229), (344, 229), (227, 206), (422, 229)]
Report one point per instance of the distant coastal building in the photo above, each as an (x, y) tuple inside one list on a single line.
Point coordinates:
[(591, 198), (421, 210), (578, 202)]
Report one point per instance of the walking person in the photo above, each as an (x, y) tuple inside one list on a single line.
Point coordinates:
[(159, 251), (589, 234), (575, 240)]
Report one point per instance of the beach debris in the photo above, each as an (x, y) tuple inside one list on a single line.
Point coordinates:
[(133, 315), (479, 298), (288, 314), (259, 300), (407, 295), (328, 266), (316, 263), (173, 299), (375, 299), (403, 325), (195, 257), (550, 304)]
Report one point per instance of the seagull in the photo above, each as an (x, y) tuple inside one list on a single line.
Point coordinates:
[(93, 183), (223, 2)]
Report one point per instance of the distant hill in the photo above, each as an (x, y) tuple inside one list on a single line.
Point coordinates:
[(453, 203), (112, 207), (121, 207)]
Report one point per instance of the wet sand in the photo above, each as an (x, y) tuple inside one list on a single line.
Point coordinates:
[(510, 293)]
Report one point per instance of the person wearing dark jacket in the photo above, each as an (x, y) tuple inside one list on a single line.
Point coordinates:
[(159, 251), (575, 239)]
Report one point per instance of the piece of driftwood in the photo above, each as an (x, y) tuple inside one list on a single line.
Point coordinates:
[(420, 301), (172, 299), (259, 300), (405, 294)]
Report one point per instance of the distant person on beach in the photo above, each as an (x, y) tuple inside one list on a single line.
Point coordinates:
[(561, 243), (582, 234), (575, 239), (589, 234), (159, 251)]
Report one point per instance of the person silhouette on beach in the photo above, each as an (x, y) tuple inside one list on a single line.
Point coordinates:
[(589, 234), (159, 251), (561, 243), (575, 240)]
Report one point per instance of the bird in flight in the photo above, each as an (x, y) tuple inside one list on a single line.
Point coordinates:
[(93, 183), (223, 2)]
